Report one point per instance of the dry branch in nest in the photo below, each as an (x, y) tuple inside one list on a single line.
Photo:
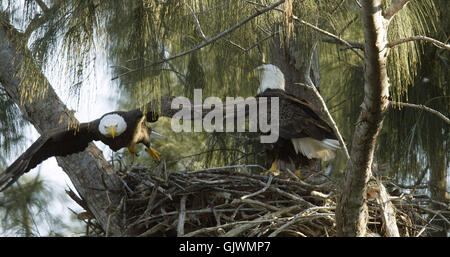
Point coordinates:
[(223, 202)]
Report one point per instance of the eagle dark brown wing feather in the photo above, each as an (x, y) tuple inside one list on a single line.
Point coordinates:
[(57, 142), (299, 118)]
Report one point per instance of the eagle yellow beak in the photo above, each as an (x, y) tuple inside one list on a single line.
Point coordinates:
[(111, 130)]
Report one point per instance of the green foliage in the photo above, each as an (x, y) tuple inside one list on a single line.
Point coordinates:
[(10, 126), (25, 210), (404, 60)]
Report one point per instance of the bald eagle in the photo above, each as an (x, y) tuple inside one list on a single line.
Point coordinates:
[(116, 129), (303, 134)]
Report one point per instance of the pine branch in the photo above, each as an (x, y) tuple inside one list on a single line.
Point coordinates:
[(420, 107), (435, 42), (209, 41)]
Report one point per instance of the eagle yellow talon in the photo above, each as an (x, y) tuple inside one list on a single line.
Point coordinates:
[(153, 153), (273, 169), (132, 149)]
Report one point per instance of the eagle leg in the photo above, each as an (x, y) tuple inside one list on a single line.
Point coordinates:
[(273, 169), (153, 153), (132, 149)]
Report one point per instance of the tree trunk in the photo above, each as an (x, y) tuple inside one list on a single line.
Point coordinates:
[(88, 170), (438, 190), (351, 212)]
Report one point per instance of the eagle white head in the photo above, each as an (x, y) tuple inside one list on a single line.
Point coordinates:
[(270, 76), (112, 125)]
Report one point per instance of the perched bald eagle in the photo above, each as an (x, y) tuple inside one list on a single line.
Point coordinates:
[(303, 134), (115, 129)]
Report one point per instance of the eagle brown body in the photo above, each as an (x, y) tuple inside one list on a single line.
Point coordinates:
[(303, 134), (297, 119)]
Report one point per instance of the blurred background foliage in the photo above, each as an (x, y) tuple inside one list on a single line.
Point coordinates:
[(137, 35)]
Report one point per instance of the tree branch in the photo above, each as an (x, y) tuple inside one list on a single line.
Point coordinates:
[(327, 112), (42, 5), (435, 42), (338, 38), (310, 85), (209, 41), (356, 45), (420, 107), (39, 19), (394, 8)]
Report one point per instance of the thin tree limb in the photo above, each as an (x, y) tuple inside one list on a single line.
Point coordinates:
[(394, 8), (209, 41), (435, 42), (182, 215), (310, 85), (420, 107), (42, 5), (197, 23), (327, 112), (338, 38)]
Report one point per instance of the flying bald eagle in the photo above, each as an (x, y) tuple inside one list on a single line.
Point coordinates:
[(116, 129), (303, 134)]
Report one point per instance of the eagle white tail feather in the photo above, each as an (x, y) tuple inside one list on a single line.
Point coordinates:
[(332, 143), (313, 148)]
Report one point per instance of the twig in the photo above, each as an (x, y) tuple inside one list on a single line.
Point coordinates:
[(435, 42), (232, 167), (438, 213), (255, 44), (356, 45), (420, 107), (309, 84), (358, 3), (181, 217), (295, 219), (333, 124), (270, 216), (338, 38), (261, 190)]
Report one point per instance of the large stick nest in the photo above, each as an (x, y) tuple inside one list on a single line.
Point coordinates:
[(223, 202)]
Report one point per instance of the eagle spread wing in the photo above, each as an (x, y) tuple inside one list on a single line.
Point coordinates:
[(57, 142)]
